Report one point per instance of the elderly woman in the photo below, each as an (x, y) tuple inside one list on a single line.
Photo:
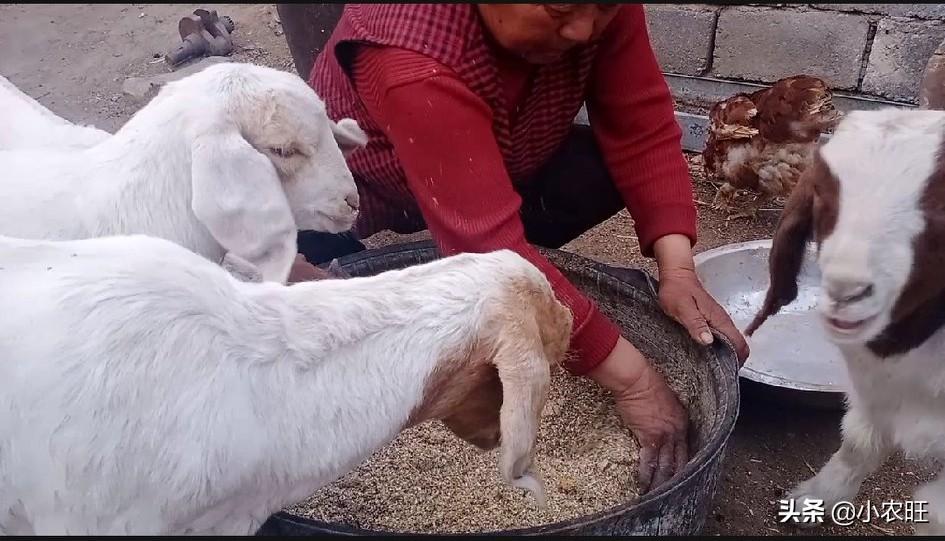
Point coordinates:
[(470, 108)]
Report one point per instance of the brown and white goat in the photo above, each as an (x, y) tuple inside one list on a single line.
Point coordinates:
[(874, 204)]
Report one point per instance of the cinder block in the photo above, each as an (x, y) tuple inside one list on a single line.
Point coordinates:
[(767, 44), (897, 60), (681, 36), (927, 11)]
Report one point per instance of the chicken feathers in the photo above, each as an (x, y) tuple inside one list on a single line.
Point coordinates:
[(764, 140)]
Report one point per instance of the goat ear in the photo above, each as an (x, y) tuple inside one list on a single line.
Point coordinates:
[(349, 135), (525, 375), (237, 195), (787, 249)]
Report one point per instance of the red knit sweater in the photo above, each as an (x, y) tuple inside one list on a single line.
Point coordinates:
[(442, 134)]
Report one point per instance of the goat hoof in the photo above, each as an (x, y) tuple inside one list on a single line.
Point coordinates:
[(533, 484)]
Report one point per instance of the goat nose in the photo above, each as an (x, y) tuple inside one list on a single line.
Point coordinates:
[(845, 292), (353, 201)]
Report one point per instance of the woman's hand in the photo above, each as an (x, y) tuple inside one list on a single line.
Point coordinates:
[(650, 409), (683, 298), (303, 271)]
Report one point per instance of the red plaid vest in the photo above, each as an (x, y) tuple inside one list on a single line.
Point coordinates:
[(453, 35)]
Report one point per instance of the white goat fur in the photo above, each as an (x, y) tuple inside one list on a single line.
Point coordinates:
[(235, 158), (27, 124), (884, 161), (148, 391)]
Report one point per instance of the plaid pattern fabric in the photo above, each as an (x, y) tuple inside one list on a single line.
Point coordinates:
[(453, 35)]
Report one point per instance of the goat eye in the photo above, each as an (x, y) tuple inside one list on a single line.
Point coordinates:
[(283, 152)]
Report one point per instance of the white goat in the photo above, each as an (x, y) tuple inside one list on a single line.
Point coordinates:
[(235, 158), (147, 391), (874, 202), (27, 124)]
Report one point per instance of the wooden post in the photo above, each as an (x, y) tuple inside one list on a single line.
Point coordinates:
[(307, 28)]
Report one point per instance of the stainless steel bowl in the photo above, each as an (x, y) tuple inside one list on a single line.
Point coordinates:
[(791, 351)]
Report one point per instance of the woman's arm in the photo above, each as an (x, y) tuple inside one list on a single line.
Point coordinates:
[(631, 112), (632, 115), (442, 134)]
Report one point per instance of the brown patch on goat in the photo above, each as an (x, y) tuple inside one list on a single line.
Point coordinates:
[(465, 390), (809, 214), (468, 383), (920, 309)]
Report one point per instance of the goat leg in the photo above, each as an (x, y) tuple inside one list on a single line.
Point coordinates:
[(863, 449)]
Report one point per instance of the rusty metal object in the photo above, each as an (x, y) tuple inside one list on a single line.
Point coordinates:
[(203, 33), (307, 28)]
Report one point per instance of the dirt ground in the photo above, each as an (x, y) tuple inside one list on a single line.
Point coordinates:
[(74, 59)]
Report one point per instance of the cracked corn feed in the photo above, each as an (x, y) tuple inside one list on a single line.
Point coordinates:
[(429, 481)]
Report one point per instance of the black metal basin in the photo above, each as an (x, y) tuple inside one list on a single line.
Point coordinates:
[(680, 506)]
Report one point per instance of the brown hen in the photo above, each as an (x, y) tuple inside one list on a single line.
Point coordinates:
[(763, 141)]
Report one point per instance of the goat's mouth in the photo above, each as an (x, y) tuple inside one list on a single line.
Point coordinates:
[(848, 327), (335, 222)]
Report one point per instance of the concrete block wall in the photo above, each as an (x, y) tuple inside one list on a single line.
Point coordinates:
[(869, 51)]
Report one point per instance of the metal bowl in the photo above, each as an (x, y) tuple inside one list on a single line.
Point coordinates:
[(791, 352)]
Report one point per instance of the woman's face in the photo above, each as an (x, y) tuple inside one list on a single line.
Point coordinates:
[(542, 33)]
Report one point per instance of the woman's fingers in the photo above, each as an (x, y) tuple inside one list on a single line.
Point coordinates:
[(689, 304), (667, 463), (647, 467), (720, 319), (694, 321), (660, 462), (682, 453)]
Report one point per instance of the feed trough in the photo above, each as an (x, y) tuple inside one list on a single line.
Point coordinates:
[(680, 506), (791, 355)]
